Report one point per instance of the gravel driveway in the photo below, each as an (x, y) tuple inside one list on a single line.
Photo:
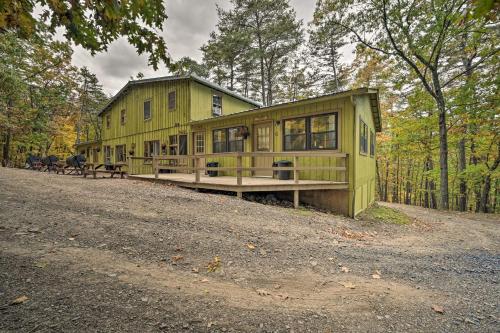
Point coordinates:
[(112, 255)]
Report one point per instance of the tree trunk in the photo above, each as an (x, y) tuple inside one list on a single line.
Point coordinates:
[(443, 151), (462, 195), (379, 181), (386, 187)]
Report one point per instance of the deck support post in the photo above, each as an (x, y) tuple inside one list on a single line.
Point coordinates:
[(197, 169), (239, 164), (296, 198), (295, 169), (155, 166), (239, 195)]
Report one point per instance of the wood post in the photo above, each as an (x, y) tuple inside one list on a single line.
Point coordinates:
[(296, 199), (155, 166), (239, 195), (197, 169), (129, 167), (239, 164), (295, 171)]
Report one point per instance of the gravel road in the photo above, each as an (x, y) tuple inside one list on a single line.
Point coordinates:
[(112, 255)]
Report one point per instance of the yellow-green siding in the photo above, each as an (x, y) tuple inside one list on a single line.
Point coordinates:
[(364, 171)]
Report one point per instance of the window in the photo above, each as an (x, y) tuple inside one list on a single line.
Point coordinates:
[(363, 137), (235, 140), (120, 154), (107, 154), (372, 143), (219, 141), (217, 105), (172, 145), (263, 141), (183, 144), (171, 101), (151, 148), (108, 121), (199, 143), (147, 110), (324, 132), (123, 117), (308, 133), (227, 140)]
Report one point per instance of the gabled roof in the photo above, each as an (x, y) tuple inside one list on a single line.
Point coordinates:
[(175, 78), (372, 93)]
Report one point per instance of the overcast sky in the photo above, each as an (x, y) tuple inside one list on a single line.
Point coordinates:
[(188, 26)]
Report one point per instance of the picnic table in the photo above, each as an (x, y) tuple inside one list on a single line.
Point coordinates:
[(69, 169), (95, 168)]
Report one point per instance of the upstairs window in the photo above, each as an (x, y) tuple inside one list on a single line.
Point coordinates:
[(172, 101), (123, 117), (311, 133), (372, 143), (363, 137), (147, 110), (217, 105), (108, 121)]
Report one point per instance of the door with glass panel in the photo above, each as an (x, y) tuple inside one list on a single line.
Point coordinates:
[(263, 142), (199, 146)]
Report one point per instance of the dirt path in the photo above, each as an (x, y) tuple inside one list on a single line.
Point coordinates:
[(123, 256)]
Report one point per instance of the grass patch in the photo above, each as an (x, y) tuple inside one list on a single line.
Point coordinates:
[(381, 214)]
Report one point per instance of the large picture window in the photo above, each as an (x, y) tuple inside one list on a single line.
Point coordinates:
[(363, 137), (311, 133), (147, 110), (227, 140)]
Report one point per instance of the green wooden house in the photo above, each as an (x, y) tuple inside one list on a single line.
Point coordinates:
[(326, 142)]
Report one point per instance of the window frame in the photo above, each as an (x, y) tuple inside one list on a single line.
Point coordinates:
[(226, 141), (123, 117), (308, 131), (219, 96), (174, 93), (124, 153), (198, 135), (150, 152), (150, 109), (372, 143), (363, 125)]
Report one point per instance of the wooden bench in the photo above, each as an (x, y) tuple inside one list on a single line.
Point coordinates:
[(93, 169), (69, 170)]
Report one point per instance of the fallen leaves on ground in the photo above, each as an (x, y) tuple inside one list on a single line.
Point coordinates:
[(177, 258), (251, 246), (19, 300), (263, 292), (376, 275), (438, 309), (348, 285), (213, 265), (344, 269)]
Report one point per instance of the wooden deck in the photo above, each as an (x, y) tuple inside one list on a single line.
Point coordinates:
[(249, 184)]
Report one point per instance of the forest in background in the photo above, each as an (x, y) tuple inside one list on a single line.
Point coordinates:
[(435, 63)]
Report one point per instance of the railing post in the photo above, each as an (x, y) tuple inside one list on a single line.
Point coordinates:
[(129, 171), (155, 166), (239, 164), (295, 171), (197, 169), (346, 171)]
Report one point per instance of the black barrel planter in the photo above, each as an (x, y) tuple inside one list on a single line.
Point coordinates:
[(212, 173), (283, 174)]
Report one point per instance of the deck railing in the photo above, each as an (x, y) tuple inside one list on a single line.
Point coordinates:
[(192, 163)]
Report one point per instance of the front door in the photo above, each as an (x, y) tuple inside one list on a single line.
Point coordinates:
[(199, 146), (263, 142)]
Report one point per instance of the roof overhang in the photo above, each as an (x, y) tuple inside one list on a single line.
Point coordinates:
[(372, 93)]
